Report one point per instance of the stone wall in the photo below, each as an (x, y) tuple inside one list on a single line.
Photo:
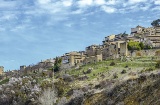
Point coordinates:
[(151, 52), (1, 70)]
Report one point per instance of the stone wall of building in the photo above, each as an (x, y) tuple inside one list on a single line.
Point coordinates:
[(1, 70), (149, 53), (93, 59)]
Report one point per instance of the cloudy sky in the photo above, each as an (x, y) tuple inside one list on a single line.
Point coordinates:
[(34, 30)]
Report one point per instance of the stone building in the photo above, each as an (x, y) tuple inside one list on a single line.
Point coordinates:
[(93, 54), (93, 50), (155, 38), (93, 59), (22, 68), (1, 70), (73, 58), (151, 34), (123, 49), (109, 38), (114, 46)]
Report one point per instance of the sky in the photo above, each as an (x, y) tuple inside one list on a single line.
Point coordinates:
[(35, 30)]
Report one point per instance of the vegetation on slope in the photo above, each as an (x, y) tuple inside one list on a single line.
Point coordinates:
[(88, 84)]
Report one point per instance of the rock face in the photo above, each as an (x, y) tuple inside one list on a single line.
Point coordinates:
[(132, 92)]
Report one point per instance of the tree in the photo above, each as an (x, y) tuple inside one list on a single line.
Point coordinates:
[(57, 64), (156, 23), (132, 45), (141, 45)]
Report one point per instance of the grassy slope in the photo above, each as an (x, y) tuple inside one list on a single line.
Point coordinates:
[(136, 65)]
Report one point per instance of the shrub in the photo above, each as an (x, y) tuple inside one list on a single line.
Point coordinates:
[(148, 47), (123, 71), (88, 71), (158, 64), (97, 86), (157, 53), (48, 97), (132, 73), (132, 45), (82, 78), (126, 66), (62, 101), (67, 78), (60, 85), (57, 64), (150, 69), (115, 75), (138, 54), (4, 81), (112, 63), (141, 45)]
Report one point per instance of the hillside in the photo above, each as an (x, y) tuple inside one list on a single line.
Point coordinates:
[(128, 81)]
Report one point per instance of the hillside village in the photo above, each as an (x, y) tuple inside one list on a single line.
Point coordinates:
[(112, 47), (123, 70)]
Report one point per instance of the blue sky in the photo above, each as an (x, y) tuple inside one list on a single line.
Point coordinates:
[(34, 30)]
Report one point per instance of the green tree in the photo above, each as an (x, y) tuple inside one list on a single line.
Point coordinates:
[(57, 64), (132, 45), (141, 45), (148, 47), (156, 22)]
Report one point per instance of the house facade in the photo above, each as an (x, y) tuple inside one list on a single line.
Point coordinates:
[(1, 70)]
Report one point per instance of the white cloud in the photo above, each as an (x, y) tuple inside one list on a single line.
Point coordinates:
[(44, 1), (67, 3), (108, 9), (136, 1), (157, 2), (111, 2), (83, 3), (79, 11), (99, 2)]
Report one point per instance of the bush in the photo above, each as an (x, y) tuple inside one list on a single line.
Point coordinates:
[(138, 54), (112, 64), (48, 97), (83, 78), (67, 78), (57, 64), (4, 81), (88, 71), (62, 101), (158, 64), (61, 87), (150, 69), (157, 53), (141, 45), (126, 66), (123, 71), (115, 75), (132, 45)]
